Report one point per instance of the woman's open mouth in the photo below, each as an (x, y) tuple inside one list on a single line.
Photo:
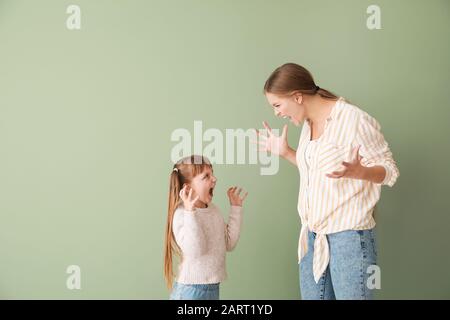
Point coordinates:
[(211, 192)]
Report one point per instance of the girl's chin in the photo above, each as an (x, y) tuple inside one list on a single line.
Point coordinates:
[(206, 201)]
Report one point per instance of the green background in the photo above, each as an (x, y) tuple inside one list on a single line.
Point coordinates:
[(86, 118)]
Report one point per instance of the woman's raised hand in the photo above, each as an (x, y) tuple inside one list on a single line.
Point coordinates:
[(186, 195), (353, 169), (272, 143)]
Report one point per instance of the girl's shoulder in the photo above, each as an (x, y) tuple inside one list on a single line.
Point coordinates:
[(179, 211), (211, 208)]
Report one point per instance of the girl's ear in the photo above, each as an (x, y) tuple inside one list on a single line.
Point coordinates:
[(188, 185)]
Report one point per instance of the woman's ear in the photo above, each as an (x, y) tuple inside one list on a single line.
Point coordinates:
[(298, 97)]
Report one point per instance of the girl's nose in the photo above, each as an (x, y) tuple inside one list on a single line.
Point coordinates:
[(214, 179), (277, 113)]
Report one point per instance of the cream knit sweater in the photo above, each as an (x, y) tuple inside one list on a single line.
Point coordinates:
[(204, 238)]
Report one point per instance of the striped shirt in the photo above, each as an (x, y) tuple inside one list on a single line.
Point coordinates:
[(328, 205)]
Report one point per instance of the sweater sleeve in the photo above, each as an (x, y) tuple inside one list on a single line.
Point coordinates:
[(375, 150), (233, 228), (188, 233)]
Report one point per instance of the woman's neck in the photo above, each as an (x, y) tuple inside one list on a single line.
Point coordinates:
[(317, 109)]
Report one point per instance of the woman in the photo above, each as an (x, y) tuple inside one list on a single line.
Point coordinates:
[(343, 161)]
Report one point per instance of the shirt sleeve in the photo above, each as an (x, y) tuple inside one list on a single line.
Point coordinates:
[(233, 228), (375, 150), (188, 233)]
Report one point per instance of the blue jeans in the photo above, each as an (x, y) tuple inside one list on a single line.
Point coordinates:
[(352, 252), (182, 291)]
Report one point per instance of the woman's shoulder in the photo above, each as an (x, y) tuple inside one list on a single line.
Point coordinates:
[(347, 108)]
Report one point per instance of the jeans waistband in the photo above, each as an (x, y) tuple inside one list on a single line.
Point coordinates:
[(203, 286)]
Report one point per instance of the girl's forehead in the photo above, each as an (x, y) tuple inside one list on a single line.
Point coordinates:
[(207, 169)]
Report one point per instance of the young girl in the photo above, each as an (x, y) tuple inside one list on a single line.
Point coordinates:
[(196, 231)]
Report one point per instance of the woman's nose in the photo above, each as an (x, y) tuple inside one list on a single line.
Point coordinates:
[(277, 113), (214, 179)]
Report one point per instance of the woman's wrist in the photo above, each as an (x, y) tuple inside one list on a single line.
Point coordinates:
[(290, 156), (287, 152), (374, 174)]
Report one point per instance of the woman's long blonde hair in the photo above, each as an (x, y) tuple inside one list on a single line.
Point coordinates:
[(183, 172)]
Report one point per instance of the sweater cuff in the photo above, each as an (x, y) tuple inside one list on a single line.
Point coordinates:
[(236, 209)]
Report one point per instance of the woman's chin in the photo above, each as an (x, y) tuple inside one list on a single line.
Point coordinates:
[(295, 122)]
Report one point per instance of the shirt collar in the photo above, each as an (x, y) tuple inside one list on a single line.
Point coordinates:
[(333, 112)]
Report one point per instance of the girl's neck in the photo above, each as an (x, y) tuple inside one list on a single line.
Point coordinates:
[(201, 205)]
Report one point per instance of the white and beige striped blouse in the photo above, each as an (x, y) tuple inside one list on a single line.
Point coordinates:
[(328, 205)]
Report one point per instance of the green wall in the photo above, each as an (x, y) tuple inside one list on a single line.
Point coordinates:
[(86, 118)]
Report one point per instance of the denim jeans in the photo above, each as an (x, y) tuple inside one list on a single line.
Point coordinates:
[(182, 291), (351, 253)]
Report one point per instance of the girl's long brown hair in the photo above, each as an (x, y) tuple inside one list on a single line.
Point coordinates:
[(183, 172), (291, 77)]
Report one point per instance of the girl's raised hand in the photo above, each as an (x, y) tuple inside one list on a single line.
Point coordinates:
[(187, 198), (234, 194)]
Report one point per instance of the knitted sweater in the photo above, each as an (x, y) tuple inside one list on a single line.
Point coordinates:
[(204, 237)]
